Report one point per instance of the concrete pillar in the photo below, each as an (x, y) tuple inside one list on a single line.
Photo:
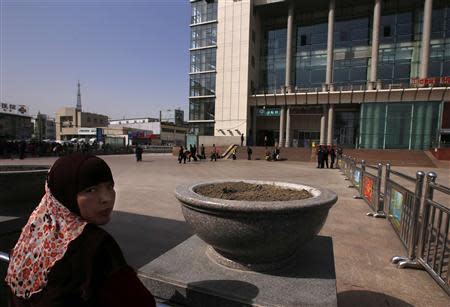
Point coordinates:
[(290, 30), (330, 45), (255, 110), (426, 34), (323, 126), (288, 127), (375, 44), (281, 138), (330, 134)]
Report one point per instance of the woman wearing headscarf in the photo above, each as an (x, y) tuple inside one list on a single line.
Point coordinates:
[(62, 257)]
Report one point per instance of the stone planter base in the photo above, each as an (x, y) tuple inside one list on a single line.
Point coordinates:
[(185, 275)]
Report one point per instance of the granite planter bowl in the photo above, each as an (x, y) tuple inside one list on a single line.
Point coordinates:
[(21, 188), (255, 235)]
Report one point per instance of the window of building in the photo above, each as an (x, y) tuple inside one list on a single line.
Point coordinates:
[(202, 11), (303, 40), (203, 60), (202, 84), (201, 108), (204, 35), (273, 59), (202, 128), (387, 31), (253, 36)]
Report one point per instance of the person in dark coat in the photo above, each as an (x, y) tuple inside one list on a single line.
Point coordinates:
[(242, 139), (63, 257), (320, 157), (202, 152), (194, 152), (249, 153), (138, 153), (332, 156), (325, 156), (181, 155)]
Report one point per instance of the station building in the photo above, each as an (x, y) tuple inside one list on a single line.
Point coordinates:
[(360, 74)]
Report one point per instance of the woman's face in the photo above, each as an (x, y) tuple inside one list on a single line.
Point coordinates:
[(97, 202)]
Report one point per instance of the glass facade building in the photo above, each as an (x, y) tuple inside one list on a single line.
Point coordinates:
[(202, 73), (348, 65)]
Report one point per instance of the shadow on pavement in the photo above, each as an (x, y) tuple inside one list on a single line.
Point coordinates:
[(144, 238), (204, 293), (369, 299)]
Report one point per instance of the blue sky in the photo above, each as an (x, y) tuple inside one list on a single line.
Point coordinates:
[(131, 57)]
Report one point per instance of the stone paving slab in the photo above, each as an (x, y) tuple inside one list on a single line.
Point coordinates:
[(147, 222)]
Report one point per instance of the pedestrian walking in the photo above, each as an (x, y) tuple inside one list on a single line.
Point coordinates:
[(242, 139), (194, 152), (181, 155), (233, 153), (202, 152), (214, 153), (138, 153)]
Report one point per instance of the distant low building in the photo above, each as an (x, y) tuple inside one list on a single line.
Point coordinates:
[(44, 127), (15, 122), (70, 120), (164, 133)]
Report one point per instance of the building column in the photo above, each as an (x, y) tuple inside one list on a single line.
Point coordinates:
[(426, 34), (255, 109), (288, 127), (375, 45), (330, 46), (290, 27), (281, 138), (330, 134), (322, 128)]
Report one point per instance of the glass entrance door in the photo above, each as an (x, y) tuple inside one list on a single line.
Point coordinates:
[(305, 138)]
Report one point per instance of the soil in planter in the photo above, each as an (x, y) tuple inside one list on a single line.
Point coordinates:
[(251, 192)]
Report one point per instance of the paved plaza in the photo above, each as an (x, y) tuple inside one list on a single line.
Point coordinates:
[(147, 222)]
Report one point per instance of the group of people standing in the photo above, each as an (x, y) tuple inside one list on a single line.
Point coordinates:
[(192, 153), (323, 152)]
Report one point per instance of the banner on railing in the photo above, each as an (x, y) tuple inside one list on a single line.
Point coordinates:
[(396, 203), (368, 189), (357, 177)]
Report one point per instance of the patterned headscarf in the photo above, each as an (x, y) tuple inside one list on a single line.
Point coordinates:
[(54, 223), (44, 240)]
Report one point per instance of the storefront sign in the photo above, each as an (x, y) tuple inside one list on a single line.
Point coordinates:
[(16, 109), (269, 112), (87, 131), (435, 81)]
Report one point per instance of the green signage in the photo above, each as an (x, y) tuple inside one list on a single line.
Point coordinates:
[(269, 112)]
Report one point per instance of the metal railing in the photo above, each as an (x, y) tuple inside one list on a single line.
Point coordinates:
[(367, 184), (402, 208), (425, 236), (434, 244)]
